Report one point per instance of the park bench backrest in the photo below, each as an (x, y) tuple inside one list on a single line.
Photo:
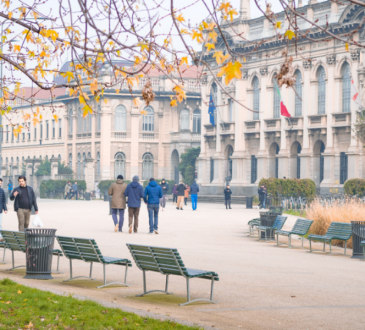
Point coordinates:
[(11, 239), (157, 259), (339, 229), (279, 222), (80, 248), (302, 226)]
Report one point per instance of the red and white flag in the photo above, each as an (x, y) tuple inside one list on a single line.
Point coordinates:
[(355, 94)]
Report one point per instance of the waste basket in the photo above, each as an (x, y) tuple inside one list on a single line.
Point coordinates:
[(249, 201), (358, 235), (87, 196), (267, 219), (39, 244)]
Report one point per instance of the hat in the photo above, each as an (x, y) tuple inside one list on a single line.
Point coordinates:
[(136, 178)]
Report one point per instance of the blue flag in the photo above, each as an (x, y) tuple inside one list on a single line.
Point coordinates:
[(211, 110)]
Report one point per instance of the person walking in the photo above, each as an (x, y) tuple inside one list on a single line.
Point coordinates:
[(152, 195), (174, 194), (67, 189), (165, 188), (186, 194), (194, 189), (134, 192), (180, 195), (117, 190), (10, 187), (24, 199), (2, 207), (262, 196), (227, 197), (74, 191)]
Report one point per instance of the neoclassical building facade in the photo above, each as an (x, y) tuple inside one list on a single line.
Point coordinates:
[(245, 146)]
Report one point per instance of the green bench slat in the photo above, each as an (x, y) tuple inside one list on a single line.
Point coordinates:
[(337, 230), (278, 224), (300, 228)]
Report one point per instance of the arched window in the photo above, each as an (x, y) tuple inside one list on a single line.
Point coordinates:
[(148, 120), (276, 104), (79, 170), (214, 93), (299, 150), (277, 162), (70, 161), (253, 169), (79, 121), (298, 94), (197, 121), (321, 162), (256, 97), (346, 88), (230, 163), (147, 166), (17, 161), (343, 167), (184, 119), (12, 161), (120, 119), (321, 75), (6, 162), (70, 121), (119, 164), (98, 163)]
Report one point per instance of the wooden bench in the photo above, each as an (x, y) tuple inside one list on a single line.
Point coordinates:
[(168, 262), (15, 241), (87, 250), (336, 231), (301, 228), (278, 224), (253, 223)]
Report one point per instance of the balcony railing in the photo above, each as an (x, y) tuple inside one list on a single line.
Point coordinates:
[(272, 125), (119, 135), (185, 136), (342, 119), (150, 136)]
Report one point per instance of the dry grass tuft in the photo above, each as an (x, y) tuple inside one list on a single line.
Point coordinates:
[(351, 210)]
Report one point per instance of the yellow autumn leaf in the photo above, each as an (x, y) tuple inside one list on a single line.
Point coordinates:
[(94, 86), (10, 14), (19, 292), (35, 121), (29, 326), (220, 58), (290, 34), (231, 13), (347, 46), (86, 110), (184, 60), (180, 18), (143, 112), (143, 46), (225, 6), (26, 116), (213, 35), (16, 48), (173, 103), (209, 46), (55, 118), (136, 102), (278, 25), (198, 36), (231, 71), (184, 31), (180, 94)]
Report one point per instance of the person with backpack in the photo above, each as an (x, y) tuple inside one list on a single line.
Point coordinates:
[(174, 194), (165, 188), (262, 196), (10, 187), (227, 197), (180, 195), (152, 195), (194, 189), (134, 192)]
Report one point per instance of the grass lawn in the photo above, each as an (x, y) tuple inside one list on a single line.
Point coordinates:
[(296, 212), (27, 308)]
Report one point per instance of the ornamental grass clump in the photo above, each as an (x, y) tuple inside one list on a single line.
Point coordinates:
[(323, 215)]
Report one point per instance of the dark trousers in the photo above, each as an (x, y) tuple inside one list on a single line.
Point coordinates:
[(185, 200), (174, 199), (133, 212), (153, 216), (66, 195), (73, 194), (228, 203), (121, 217)]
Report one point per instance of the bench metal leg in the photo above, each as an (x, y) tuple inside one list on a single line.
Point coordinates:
[(302, 241), (345, 247), (12, 262), (72, 278), (4, 255), (310, 246), (208, 300), (145, 287), (58, 265), (289, 236), (114, 283)]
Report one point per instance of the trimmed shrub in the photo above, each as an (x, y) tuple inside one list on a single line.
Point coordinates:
[(187, 165), (355, 187), (170, 182), (56, 188), (289, 187), (105, 184)]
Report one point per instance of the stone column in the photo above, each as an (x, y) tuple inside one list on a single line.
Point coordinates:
[(37, 162), (54, 167), (162, 166), (29, 168), (3, 171), (89, 174)]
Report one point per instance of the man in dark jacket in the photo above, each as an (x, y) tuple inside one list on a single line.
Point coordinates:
[(24, 198), (134, 192), (152, 195), (2, 206), (164, 187), (180, 195), (227, 196), (194, 189), (262, 196), (74, 191)]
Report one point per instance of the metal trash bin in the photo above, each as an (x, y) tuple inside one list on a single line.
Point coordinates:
[(249, 202), (358, 235), (267, 219), (87, 196), (39, 244)]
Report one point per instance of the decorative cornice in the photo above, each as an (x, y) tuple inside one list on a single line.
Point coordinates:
[(263, 71), (307, 64)]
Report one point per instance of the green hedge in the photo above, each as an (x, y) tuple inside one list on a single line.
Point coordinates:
[(170, 182), (56, 188), (289, 187), (355, 187), (105, 184)]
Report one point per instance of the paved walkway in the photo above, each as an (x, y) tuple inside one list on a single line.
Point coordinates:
[(261, 286)]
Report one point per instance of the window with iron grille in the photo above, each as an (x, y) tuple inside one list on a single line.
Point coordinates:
[(196, 121), (321, 163), (149, 120), (253, 169), (343, 167), (211, 170), (298, 94), (276, 103), (321, 74), (184, 119), (256, 97), (346, 88)]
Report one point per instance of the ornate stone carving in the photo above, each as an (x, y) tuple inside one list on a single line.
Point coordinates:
[(331, 59), (307, 64), (263, 70), (204, 80), (244, 74), (355, 54)]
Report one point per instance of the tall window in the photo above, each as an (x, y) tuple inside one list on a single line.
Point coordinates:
[(47, 129), (230, 162), (321, 163), (343, 167), (70, 122), (346, 88), (197, 121), (98, 119), (184, 119), (85, 124), (70, 161), (214, 93), (253, 169), (83, 163), (119, 164), (59, 127), (41, 131), (79, 171), (276, 103), (230, 110), (277, 162), (53, 128), (35, 132), (98, 163), (147, 166), (299, 150), (23, 132), (148, 120), (29, 131), (256, 97), (321, 74), (7, 133), (12, 133), (89, 122), (211, 170), (120, 119), (298, 94), (79, 121)]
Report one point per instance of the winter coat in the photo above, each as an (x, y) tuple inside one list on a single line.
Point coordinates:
[(67, 188), (181, 189), (152, 193), (174, 190), (74, 188), (2, 201), (227, 194), (262, 194), (10, 186), (165, 187), (194, 189), (117, 190), (31, 196), (186, 194), (134, 192)]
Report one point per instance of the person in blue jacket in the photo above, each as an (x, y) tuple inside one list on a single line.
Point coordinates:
[(152, 195), (134, 192), (194, 189)]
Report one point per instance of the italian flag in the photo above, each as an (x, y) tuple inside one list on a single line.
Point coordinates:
[(283, 110), (355, 94)]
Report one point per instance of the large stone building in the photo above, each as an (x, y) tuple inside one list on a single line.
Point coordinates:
[(246, 146)]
